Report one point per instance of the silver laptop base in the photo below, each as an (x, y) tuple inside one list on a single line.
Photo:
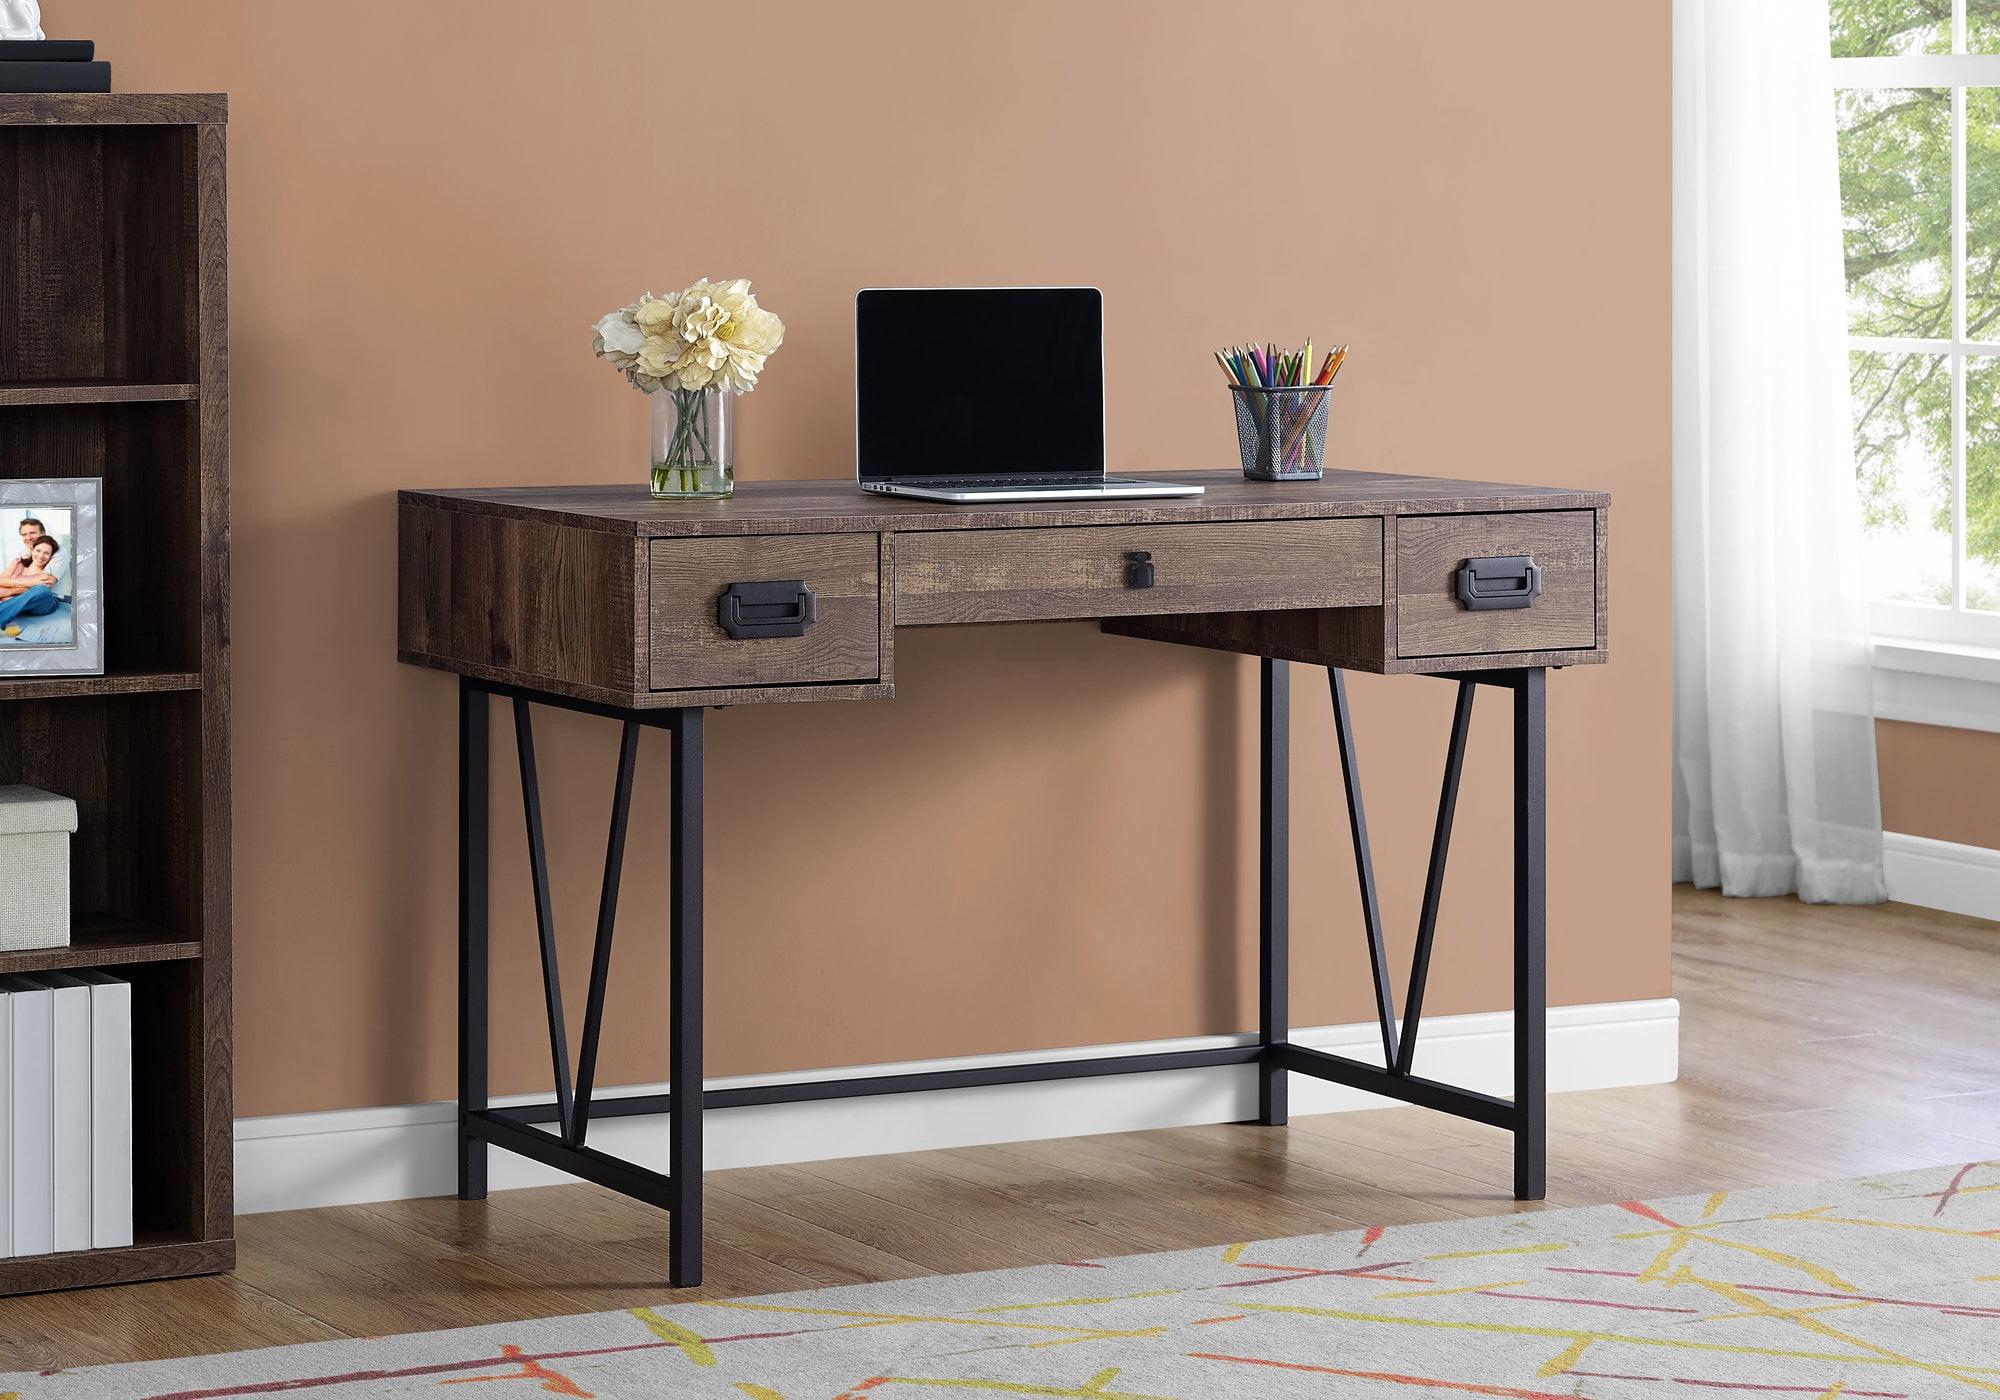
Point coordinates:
[(1093, 489)]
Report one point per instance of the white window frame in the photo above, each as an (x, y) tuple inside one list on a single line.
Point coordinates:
[(1938, 665)]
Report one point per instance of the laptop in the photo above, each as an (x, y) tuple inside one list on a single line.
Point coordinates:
[(984, 394)]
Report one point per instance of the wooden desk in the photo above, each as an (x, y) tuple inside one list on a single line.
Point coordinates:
[(602, 600)]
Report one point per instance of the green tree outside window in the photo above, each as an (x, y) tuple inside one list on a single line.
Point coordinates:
[(1896, 182)]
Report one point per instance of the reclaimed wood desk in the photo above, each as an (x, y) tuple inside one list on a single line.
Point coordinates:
[(601, 600)]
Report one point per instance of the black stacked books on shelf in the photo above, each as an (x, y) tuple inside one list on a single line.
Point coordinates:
[(51, 65), (48, 50)]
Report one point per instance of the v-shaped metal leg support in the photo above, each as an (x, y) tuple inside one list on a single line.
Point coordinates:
[(480, 1125), (1524, 1114)]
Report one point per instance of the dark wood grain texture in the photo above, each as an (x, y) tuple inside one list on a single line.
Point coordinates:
[(64, 391), (152, 1258), (1030, 574), (52, 281), (156, 180), (690, 650), (1429, 551), (105, 940), (114, 364), (92, 109), (28, 686), (212, 1198)]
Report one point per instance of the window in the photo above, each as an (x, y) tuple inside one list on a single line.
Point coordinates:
[(1918, 106)]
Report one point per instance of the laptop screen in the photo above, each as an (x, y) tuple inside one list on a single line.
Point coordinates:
[(979, 381)]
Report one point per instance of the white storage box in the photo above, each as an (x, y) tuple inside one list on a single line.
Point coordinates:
[(35, 828)]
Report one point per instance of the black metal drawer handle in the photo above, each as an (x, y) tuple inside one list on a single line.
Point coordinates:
[(1139, 568), (781, 608), (1507, 581)]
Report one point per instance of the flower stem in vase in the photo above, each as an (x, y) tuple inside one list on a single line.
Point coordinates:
[(691, 443)]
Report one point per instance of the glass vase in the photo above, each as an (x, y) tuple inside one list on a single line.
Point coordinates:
[(694, 444)]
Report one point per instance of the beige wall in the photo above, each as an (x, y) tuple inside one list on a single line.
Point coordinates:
[(430, 203), (1938, 782)]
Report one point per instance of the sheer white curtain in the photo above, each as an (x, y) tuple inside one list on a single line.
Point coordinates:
[(1774, 737)]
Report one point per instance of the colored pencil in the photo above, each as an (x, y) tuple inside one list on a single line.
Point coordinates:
[(1267, 367)]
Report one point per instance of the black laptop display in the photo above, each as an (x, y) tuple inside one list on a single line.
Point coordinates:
[(993, 393)]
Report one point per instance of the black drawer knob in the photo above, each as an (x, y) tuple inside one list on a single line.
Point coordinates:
[(1506, 581), (1139, 568), (780, 608)]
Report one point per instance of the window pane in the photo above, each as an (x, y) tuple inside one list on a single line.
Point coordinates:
[(1902, 463), (1982, 217), (1982, 26), (1883, 28), (1982, 483), (1895, 194)]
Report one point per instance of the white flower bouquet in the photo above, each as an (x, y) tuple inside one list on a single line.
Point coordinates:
[(696, 350)]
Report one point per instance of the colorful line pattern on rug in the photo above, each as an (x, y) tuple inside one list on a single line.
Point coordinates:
[(1881, 1289)]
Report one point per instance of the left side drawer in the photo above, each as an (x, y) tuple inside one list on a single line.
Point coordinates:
[(687, 578)]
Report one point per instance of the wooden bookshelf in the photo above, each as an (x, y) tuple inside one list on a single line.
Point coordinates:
[(114, 364)]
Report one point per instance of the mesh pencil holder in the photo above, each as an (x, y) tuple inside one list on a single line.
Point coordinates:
[(1282, 431)]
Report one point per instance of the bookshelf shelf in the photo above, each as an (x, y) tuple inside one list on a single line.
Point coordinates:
[(65, 391), (112, 209), (162, 1254), (104, 940), (26, 687)]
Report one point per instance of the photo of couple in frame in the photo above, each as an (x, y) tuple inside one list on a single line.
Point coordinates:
[(51, 605)]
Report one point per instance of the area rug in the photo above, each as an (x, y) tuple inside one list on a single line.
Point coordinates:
[(1877, 1289)]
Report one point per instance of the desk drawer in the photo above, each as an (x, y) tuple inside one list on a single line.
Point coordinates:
[(1084, 570), (1431, 549), (689, 648)]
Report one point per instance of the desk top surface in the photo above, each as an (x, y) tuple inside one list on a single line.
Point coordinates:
[(819, 507)]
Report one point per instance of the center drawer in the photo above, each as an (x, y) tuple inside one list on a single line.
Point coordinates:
[(945, 576)]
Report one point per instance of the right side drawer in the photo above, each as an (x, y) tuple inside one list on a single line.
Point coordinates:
[(1430, 550)]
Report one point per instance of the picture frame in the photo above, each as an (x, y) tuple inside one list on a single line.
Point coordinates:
[(51, 576)]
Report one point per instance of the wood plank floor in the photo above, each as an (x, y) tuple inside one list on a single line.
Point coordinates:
[(1817, 1042)]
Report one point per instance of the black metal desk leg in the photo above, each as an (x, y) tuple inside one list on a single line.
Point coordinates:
[(1531, 1005), (472, 983), (1273, 887), (684, 1104)]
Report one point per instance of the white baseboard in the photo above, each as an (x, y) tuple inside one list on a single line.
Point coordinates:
[(297, 1160), (1942, 875)]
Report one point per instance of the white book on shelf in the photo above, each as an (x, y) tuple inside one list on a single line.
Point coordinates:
[(6, 1124), (111, 1109), (72, 1108), (33, 1147)]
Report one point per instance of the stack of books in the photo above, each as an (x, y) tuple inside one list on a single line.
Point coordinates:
[(52, 65), (65, 1112)]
